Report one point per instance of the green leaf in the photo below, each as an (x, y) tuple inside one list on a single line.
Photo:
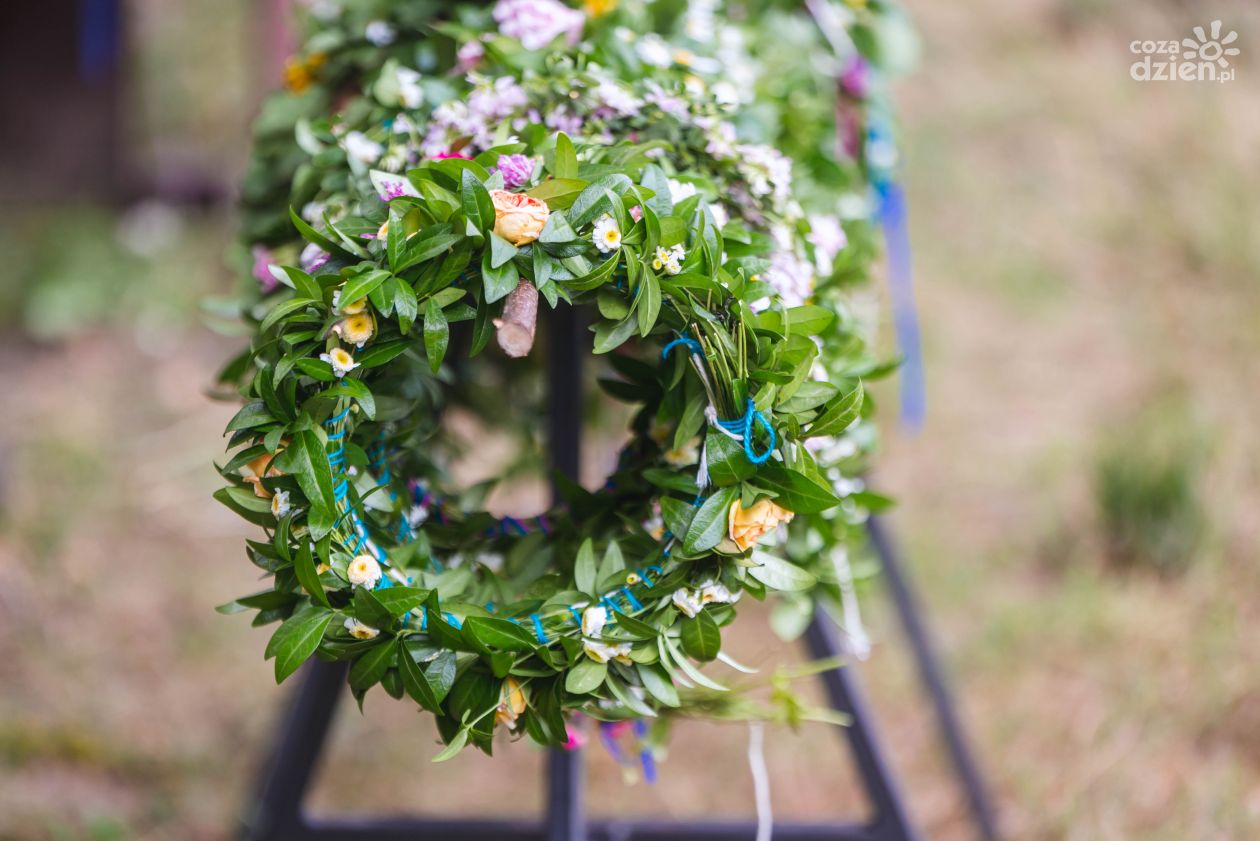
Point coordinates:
[(500, 633), (585, 676), (369, 610), (497, 282), (306, 461), (677, 515), (436, 334), (559, 194), (351, 387), (808, 320), (399, 600), (709, 525), (297, 638), (701, 637), (839, 414), (728, 464), (654, 179), (405, 305), (648, 306), (557, 230), (478, 206), (566, 158), (305, 285), (658, 684), (610, 336), (795, 491), (501, 251), (414, 681), (370, 667), (584, 567), (311, 235), (454, 747), (358, 287), (426, 246), (254, 413), (307, 575), (779, 574), (282, 309)]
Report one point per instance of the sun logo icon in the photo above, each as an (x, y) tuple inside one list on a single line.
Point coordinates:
[(1210, 49)]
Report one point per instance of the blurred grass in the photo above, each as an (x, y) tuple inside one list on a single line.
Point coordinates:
[(1082, 240)]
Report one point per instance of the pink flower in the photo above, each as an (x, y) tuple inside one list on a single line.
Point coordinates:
[(262, 269), (536, 23), (516, 170), (441, 156)]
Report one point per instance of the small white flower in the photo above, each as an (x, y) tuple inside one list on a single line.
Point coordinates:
[(687, 602), (364, 571), (312, 211), (379, 33), (492, 561), (669, 260), (725, 94), (617, 98), (362, 148), (720, 215), (688, 453), (593, 620), (828, 238), (418, 515), (360, 631), (280, 506), (341, 361), (603, 652), (679, 190), (654, 51), (409, 90), (607, 235), (715, 592)]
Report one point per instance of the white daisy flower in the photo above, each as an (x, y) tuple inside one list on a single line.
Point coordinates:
[(418, 515), (379, 33), (362, 148), (679, 190), (688, 453), (603, 652), (607, 235), (364, 571), (715, 592), (653, 50), (593, 620), (360, 631), (341, 361), (687, 602), (409, 90), (280, 506), (669, 260)]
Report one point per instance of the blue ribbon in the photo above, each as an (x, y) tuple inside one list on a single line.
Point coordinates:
[(744, 426), (892, 218)]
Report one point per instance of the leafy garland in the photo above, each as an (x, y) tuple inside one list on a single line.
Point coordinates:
[(565, 158)]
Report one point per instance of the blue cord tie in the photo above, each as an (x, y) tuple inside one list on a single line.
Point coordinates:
[(577, 615), (634, 603), (343, 487), (538, 628), (685, 341), (336, 436), (339, 417), (744, 426)]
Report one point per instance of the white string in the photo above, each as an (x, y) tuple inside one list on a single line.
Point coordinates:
[(857, 641), (761, 779)]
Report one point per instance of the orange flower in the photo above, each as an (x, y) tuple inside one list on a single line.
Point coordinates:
[(746, 526), (511, 703), (518, 218), (258, 469)]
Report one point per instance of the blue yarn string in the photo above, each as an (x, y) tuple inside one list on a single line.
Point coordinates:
[(745, 425), (683, 341), (538, 628), (645, 755), (634, 603), (339, 417)]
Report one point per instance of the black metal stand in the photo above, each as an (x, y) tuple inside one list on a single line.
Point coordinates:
[(278, 813)]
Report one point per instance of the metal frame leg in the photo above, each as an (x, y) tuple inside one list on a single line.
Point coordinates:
[(933, 678)]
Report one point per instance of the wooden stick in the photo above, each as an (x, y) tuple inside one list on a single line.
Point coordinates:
[(520, 317)]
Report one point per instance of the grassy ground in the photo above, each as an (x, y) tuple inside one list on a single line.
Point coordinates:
[(1087, 273)]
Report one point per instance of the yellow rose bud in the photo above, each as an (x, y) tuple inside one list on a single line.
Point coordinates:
[(518, 218), (746, 526), (511, 703), (258, 469)]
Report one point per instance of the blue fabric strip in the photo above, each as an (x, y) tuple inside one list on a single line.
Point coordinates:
[(538, 628), (682, 341), (892, 218)]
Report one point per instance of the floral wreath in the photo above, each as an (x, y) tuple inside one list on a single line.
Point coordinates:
[(567, 161)]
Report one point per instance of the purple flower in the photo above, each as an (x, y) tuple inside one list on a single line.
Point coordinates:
[(313, 258), (262, 269), (536, 23), (517, 170), (855, 80)]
